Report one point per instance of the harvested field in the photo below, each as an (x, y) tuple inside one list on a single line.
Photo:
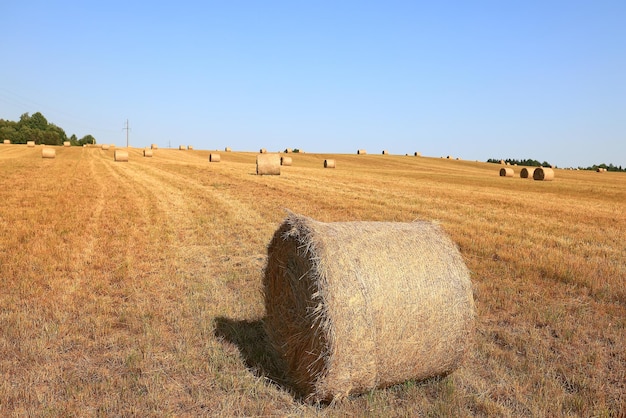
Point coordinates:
[(139, 289)]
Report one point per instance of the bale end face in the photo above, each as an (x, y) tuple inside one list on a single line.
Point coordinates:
[(506, 172), (543, 174), (353, 306)]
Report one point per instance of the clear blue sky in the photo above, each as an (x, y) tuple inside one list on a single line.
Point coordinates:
[(474, 79)]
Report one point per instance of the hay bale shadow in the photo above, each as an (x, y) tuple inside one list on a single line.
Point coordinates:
[(253, 344)]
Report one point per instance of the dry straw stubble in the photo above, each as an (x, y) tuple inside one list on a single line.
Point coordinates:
[(353, 306), (268, 164)]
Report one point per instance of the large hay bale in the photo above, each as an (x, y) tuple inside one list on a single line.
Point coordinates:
[(30, 144), (154, 146), (361, 152), (268, 164), (147, 152), (353, 306), (527, 173), (328, 163), (66, 143), (6, 141), (48, 153), (506, 172), (105, 146), (286, 161), (214, 158), (120, 155), (544, 174)]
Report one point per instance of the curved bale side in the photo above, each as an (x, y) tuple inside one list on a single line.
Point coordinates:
[(6, 141), (544, 174), (268, 164), (66, 143), (361, 152), (120, 155), (353, 306), (214, 158), (527, 173), (227, 149), (506, 172), (48, 153), (286, 161), (30, 144), (329, 163), (147, 152)]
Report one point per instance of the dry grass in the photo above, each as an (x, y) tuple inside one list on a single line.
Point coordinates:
[(136, 289)]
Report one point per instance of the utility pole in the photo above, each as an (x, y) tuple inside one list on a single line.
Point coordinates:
[(127, 129)]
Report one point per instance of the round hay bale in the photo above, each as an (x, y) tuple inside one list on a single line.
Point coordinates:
[(182, 147), (288, 150), (30, 144), (66, 143), (329, 163), (227, 149), (6, 141), (48, 153), (105, 146), (502, 162), (286, 161), (506, 172), (263, 151), (527, 173), (190, 147), (268, 164), (385, 152), (154, 146), (146, 152), (417, 154), (543, 173), (353, 306), (120, 155), (361, 152), (214, 158)]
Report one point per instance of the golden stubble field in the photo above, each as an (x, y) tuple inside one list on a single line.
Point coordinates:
[(134, 289)]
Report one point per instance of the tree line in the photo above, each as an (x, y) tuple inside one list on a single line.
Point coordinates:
[(37, 128), (535, 163)]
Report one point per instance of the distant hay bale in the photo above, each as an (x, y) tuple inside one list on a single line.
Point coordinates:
[(263, 151), (526, 173), (288, 150), (120, 155), (6, 141), (353, 306), (329, 163), (385, 152), (30, 144), (417, 154), (502, 162), (182, 147), (543, 173), (48, 153), (146, 152), (286, 161), (105, 146), (227, 149), (66, 143), (268, 164), (154, 146), (190, 147), (361, 152), (506, 172), (449, 157), (214, 158)]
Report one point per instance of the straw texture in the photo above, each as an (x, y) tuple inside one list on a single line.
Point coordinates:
[(353, 306), (506, 172), (120, 155), (526, 173), (214, 158), (329, 163), (48, 153), (286, 160), (544, 174), (268, 164)]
